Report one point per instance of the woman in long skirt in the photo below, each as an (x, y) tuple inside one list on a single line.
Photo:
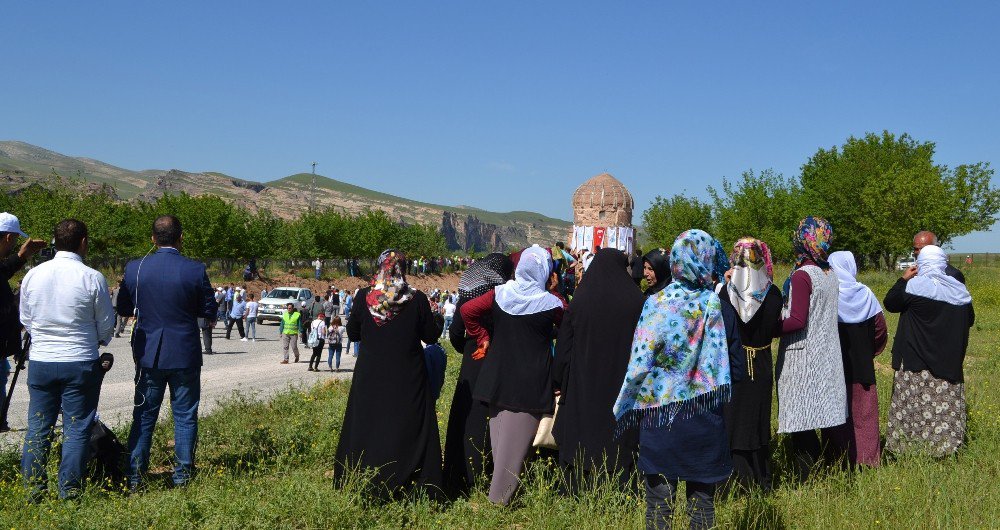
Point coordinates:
[(592, 352), (863, 335), (748, 415), (390, 426), (810, 371), (928, 411), (467, 453)]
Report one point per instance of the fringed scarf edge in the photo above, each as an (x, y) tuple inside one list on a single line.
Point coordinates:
[(665, 414)]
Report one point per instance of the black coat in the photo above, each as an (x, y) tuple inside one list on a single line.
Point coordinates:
[(467, 444), (592, 354), (931, 335), (390, 425)]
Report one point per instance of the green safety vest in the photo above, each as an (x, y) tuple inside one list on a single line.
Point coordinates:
[(290, 322)]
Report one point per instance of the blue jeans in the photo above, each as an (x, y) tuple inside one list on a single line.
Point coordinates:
[(357, 348), (447, 324), (185, 395), (74, 387), (252, 328), (317, 274), (334, 350)]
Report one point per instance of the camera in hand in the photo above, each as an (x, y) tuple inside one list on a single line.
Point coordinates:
[(48, 252)]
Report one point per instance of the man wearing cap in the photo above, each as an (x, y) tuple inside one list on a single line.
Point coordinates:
[(10, 325)]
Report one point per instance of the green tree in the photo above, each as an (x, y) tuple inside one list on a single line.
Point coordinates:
[(765, 206), (879, 190), (665, 219)]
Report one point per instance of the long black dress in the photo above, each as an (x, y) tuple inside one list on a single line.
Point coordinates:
[(467, 443), (748, 413), (390, 424), (592, 355)]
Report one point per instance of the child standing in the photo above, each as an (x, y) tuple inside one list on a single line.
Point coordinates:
[(335, 343), (317, 335)]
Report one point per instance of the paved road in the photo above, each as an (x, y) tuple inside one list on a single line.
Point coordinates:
[(251, 367)]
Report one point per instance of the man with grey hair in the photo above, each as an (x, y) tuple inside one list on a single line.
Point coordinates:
[(926, 237)]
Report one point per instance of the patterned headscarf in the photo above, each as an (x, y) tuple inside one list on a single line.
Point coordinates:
[(483, 275), (720, 265), (812, 241), (753, 275), (680, 356), (389, 291)]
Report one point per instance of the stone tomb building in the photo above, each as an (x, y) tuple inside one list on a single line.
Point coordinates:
[(602, 201)]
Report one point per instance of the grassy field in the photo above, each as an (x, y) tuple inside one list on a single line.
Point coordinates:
[(267, 465)]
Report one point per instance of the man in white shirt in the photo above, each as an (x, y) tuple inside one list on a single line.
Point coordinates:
[(318, 265), (449, 315), (66, 306)]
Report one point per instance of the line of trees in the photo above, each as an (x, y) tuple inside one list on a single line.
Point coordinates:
[(877, 191), (215, 229)]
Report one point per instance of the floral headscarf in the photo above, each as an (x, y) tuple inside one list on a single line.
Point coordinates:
[(680, 357), (753, 275), (812, 241), (389, 291)]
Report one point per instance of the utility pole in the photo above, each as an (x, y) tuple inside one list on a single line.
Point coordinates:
[(312, 190)]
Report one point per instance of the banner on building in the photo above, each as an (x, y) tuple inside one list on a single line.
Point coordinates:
[(592, 237)]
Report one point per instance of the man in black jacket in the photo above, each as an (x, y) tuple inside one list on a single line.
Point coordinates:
[(10, 325), (924, 238)]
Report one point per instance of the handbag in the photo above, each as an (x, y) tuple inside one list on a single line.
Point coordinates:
[(543, 436)]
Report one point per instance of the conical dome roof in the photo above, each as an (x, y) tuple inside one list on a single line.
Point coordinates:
[(603, 201)]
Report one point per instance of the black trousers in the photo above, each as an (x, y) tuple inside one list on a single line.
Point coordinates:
[(660, 500), (239, 326), (317, 354)]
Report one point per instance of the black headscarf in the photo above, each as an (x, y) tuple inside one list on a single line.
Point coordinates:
[(659, 261), (592, 354), (483, 275)]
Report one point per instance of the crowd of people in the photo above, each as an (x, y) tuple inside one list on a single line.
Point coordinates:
[(660, 386), (654, 387)]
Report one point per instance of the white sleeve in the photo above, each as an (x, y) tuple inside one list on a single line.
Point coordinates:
[(25, 303), (103, 310)]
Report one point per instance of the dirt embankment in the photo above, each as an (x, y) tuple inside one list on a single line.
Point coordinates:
[(422, 282)]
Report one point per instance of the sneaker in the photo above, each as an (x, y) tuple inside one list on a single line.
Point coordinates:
[(243, 339), (285, 361), (253, 340)]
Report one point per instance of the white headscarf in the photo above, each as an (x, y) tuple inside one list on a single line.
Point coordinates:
[(857, 302), (751, 280), (526, 294), (931, 281), (586, 259)]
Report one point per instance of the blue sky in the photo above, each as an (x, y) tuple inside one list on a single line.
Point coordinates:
[(499, 105)]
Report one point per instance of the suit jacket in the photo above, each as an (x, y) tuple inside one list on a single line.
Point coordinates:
[(171, 293)]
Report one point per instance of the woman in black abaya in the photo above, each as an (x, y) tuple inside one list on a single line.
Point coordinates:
[(467, 443), (390, 426), (592, 354)]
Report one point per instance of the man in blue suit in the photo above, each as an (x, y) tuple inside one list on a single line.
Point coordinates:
[(167, 293)]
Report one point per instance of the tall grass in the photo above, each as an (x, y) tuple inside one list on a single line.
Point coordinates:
[(266, 464)]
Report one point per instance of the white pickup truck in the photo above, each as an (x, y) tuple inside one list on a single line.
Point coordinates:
[(271, 307)]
